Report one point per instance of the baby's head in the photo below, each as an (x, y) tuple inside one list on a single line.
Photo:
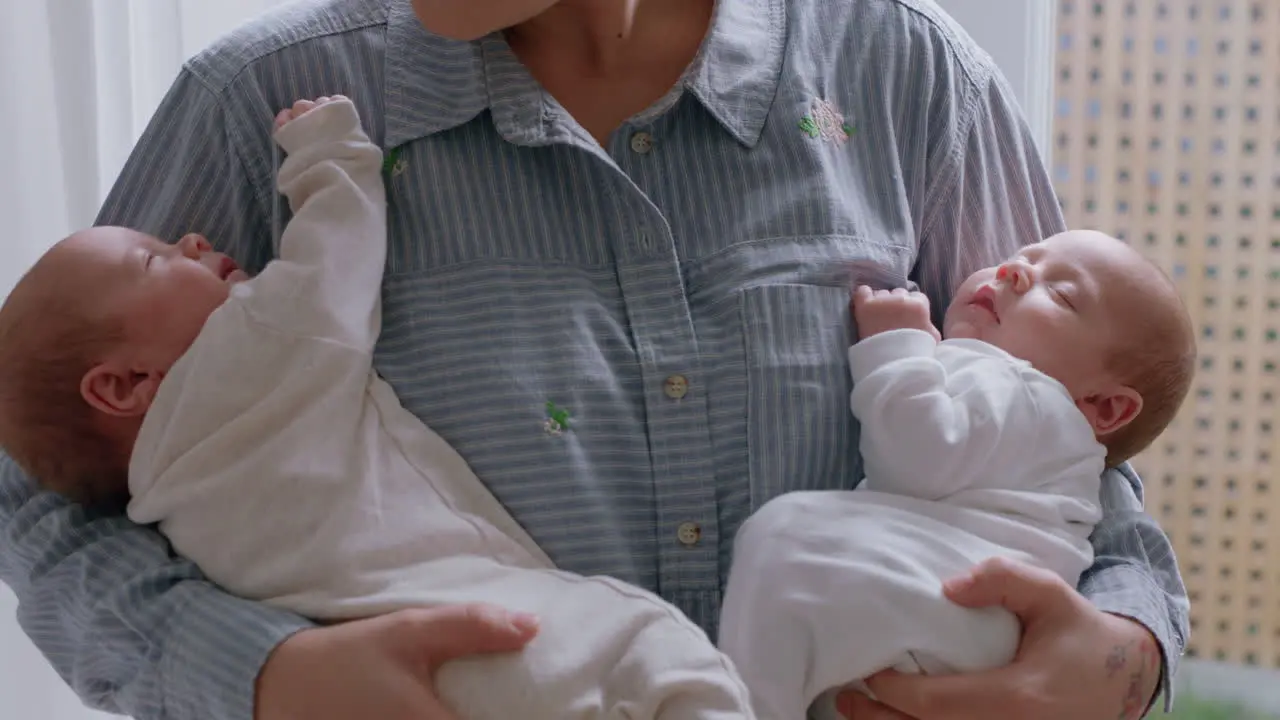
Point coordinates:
[(86, 337), (1092, 313)]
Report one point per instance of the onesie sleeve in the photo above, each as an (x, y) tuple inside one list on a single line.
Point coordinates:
[(327, 282), (936, 418)]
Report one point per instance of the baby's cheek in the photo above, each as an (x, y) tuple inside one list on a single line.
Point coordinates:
[(958, 331)]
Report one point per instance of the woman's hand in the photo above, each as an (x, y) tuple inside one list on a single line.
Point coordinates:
[(1075, 661), (382, 667)]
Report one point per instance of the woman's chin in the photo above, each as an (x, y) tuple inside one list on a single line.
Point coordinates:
[(469, 20)]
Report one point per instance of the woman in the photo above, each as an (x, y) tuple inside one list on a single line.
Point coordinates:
[(622, 234)]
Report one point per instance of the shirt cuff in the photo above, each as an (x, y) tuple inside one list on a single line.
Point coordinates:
[(868, 355), (1142, 601), (211, 666)]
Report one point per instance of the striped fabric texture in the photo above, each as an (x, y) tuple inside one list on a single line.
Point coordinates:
[(634, 345)]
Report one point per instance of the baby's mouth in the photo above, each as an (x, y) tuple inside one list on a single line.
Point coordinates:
[(985, 298), (229, 270)]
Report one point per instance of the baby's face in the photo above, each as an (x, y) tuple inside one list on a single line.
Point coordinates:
[(1059, 305), (162, 293)]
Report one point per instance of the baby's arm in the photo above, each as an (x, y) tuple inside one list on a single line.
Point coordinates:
[(333, 251), (934, 419), (292, 350)]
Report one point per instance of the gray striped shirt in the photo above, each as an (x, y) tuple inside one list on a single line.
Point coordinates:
[(534, 275)]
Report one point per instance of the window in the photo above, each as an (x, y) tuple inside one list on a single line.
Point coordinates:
[(1214, 226)]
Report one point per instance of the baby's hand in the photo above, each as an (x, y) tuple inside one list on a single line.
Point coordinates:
[(302, 107), (878, 311)]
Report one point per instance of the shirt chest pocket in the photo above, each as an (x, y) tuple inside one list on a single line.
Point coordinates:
[(800, 432)]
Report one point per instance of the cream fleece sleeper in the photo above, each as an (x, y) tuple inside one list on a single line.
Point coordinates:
[(277, 460), (969, 454)]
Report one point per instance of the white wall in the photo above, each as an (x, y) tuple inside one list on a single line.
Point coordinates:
[(1019, 36)]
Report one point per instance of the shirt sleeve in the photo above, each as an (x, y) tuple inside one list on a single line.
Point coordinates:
[(130, 627), (1135, 574), (989, 194)]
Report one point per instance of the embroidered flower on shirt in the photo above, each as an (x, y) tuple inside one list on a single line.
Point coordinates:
[(826, 122), (557, 420), (393, 164)]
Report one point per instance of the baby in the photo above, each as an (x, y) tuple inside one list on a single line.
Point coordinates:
[(244, 417), (1071, 357)]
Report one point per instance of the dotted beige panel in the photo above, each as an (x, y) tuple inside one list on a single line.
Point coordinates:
[(1167, 135)]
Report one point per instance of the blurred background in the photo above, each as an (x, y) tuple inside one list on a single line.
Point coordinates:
[(1159, 120)]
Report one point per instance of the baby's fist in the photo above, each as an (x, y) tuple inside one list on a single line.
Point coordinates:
[(878, 311), (302, 107)]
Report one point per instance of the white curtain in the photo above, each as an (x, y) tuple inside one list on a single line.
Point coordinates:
[(78, 81)]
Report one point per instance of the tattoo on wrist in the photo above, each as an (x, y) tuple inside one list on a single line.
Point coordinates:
[(1138, 661), (1116, 659)]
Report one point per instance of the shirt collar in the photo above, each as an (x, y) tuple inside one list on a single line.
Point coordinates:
[(434, 84), (736, 74)]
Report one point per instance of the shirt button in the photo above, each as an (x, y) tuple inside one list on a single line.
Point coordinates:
[(676, 386), (642, 142), (689, 533)]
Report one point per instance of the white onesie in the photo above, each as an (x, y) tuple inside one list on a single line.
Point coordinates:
[(279, 462), (969, 454)]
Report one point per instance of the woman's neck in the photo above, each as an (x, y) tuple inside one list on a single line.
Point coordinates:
[(606, 60), (606, 37)]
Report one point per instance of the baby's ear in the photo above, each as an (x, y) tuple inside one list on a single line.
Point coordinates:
[(119, 391), (1109, 411)]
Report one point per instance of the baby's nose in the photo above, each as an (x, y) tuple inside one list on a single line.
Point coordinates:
[(193, 246), (1016, 274)]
